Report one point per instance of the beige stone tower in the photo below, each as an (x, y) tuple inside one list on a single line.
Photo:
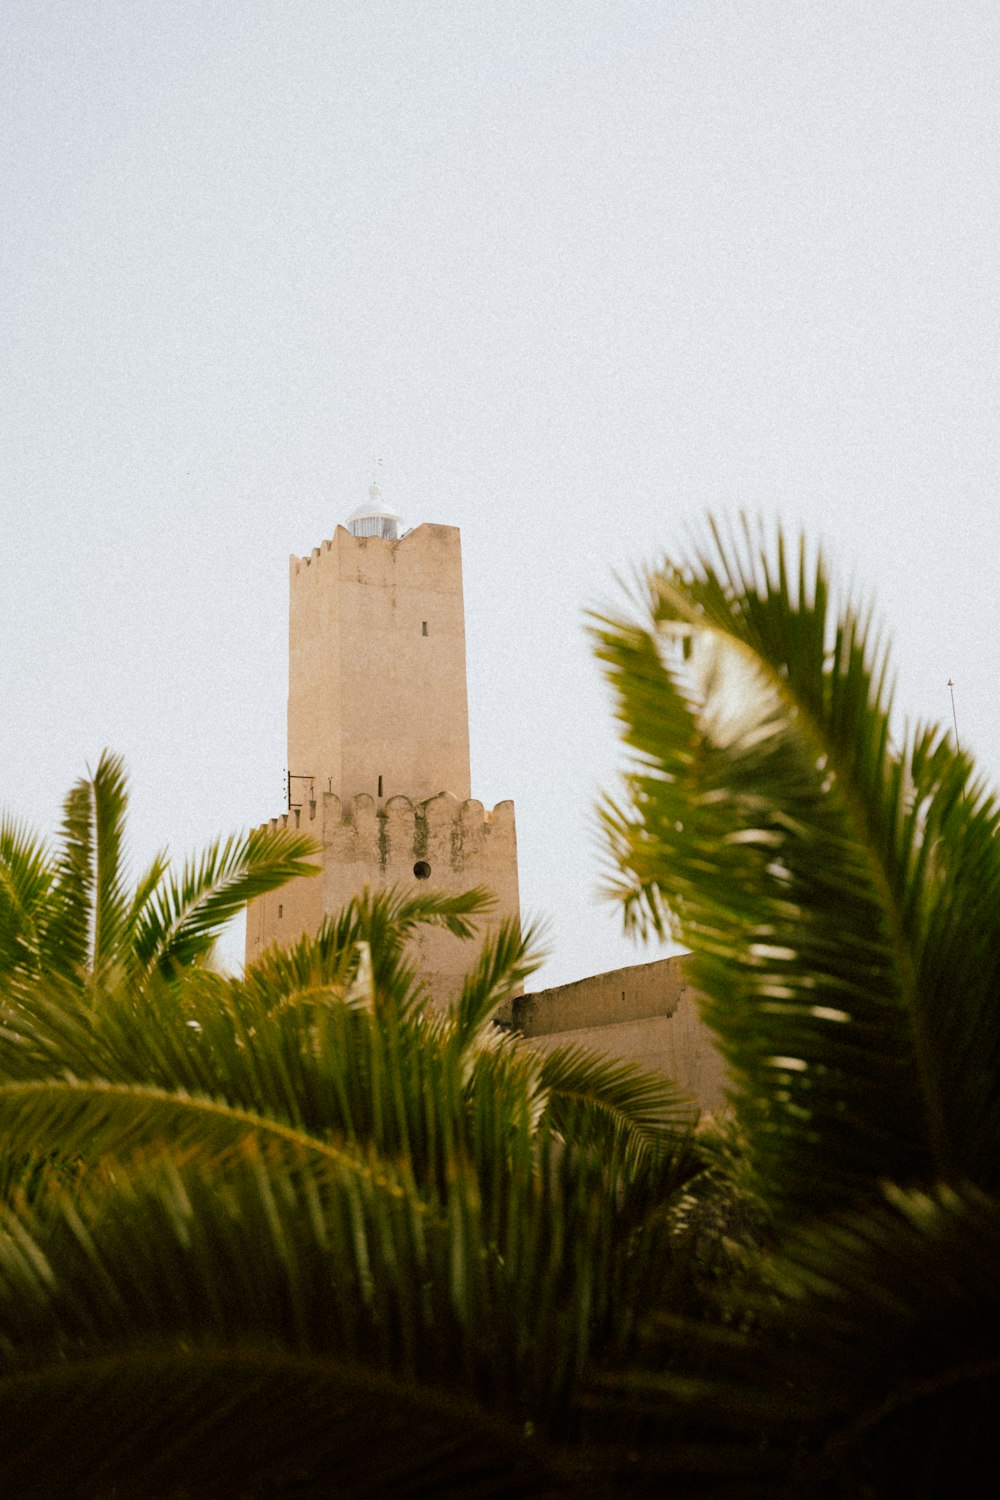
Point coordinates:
[(378, 735)]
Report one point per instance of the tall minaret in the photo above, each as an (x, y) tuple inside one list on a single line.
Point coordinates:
[(378, 735)]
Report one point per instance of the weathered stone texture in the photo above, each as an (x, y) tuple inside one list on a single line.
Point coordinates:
[(457, 844), (377, 700), (646, 1014)]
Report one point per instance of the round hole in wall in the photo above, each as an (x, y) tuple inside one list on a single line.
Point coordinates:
[(421, 869)]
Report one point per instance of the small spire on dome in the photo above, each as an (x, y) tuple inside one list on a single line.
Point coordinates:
[(374, 489)]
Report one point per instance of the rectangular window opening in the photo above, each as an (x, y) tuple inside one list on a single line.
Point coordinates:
[(423, 627), (280, 910), (380, 786)]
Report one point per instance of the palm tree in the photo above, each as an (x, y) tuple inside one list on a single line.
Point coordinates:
[(72, 914), (300, 1233), (840, 890)]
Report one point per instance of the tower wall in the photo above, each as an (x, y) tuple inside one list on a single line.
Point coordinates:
[(282, 916), (378, 741), (377, 667)]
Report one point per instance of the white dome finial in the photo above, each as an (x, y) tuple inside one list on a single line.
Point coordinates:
[(375, 518), (374, 489)]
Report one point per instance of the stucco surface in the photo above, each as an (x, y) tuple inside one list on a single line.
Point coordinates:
[(646, 1014), (377, 685)]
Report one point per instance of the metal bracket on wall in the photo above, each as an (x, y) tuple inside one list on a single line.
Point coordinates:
[(291, 776)]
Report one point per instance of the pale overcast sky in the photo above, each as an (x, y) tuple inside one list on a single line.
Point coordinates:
[(576, 269)]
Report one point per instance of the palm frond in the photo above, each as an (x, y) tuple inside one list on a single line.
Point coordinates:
[(597, 1099), (133, 1067), (383, 922), (389, 917), (200, 1037), (147, 886), (915, 1284), (109, 802), (353, 1299), (950, 873), (181, 920), (769, 818), (637, 1124), (91, 1121), (351, 1271), (70, 928), (76, 915), (874, 1346), (507, 958), (26, 878)]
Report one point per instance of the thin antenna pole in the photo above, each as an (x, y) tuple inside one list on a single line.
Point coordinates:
[(954, 716)]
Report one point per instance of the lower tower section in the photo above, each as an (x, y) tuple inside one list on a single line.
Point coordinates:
[(440, 844)]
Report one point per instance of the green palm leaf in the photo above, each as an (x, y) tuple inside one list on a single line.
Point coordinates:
[(353, 1284), (594, 1097), (380, 922), (227, 1195), (69, 935), (89, 912), (74, 916), (873, 1367), (89, 1120), (507, 958), (26, 878), (179, 922), (892, 1320), (769, 818), (183, 1359), (111, 902)]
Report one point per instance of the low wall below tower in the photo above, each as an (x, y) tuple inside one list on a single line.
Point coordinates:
[(645, 1014)]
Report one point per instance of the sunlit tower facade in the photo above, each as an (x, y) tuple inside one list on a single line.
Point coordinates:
[(378, 735)]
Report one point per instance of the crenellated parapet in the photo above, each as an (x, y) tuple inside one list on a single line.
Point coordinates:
[(441, 843), (442, 832), (290, 819), (343, 541), (299, 564)]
